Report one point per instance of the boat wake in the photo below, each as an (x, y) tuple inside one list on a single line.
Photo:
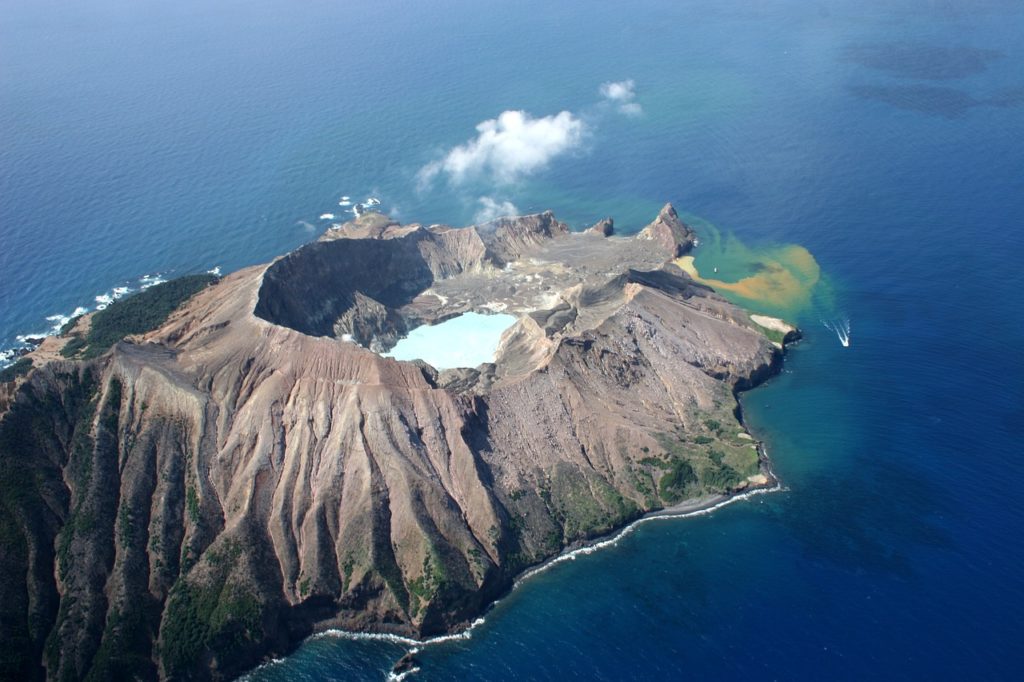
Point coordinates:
[(841, 328)]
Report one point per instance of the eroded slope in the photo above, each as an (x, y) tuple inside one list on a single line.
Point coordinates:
[(252, 471)]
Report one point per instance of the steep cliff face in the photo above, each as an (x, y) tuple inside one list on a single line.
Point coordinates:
[(251, 471)]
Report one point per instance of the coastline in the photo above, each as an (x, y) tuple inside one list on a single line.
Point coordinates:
[(700, 506), (735, 489)]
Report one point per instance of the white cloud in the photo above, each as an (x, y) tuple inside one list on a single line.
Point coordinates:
[(491, 209), (623, 94), (631, 109), (508, 148), (619, 91)]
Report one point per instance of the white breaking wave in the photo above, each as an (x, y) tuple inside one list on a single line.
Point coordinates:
[(101, 302), (57, 320), (841, 328), (614, 540), (268, 664), (147, 281)]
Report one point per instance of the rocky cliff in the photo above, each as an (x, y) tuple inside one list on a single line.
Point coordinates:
[(253, 471)]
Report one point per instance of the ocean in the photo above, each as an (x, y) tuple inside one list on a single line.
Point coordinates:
[(884, 137)]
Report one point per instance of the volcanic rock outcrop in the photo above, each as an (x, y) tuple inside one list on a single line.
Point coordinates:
[(254, 470)]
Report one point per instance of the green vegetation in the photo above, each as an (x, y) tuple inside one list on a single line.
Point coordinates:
[(28, 445), (73, 346), (138, 314), (720, 477), (714, 461), (83, 444), (125, 525), (672, 486), (773, 335), (19, 368), (123, 652), (346, 578), (227, 555), (217, 615), (585, 506), (69, 325), (220, 617), (424, 588), (192, 502), (622, 508)]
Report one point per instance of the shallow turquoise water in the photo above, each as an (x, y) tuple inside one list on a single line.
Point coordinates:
[(464, 341), (883, 136)]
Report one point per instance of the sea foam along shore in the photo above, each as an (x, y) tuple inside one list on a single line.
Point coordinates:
[(25, 342), (687, 509), (58, 320)]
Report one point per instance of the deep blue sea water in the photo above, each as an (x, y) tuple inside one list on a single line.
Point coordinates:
[(887, 137)]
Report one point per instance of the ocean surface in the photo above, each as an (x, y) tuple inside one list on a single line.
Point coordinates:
[(884, 137)]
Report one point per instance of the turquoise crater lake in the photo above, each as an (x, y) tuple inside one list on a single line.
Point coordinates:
[(468, 340)]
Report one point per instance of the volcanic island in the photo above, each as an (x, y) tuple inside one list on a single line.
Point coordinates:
[(204, 474)]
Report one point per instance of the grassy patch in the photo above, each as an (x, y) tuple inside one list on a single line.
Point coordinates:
[(773, 335), (138, 314), (714, 461)]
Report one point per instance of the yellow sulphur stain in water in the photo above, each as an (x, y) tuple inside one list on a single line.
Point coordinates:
[(780, 280)]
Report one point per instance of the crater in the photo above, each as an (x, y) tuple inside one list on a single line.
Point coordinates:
[(447, 295)]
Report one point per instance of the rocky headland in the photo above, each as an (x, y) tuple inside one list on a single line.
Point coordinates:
[(208, 493)]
